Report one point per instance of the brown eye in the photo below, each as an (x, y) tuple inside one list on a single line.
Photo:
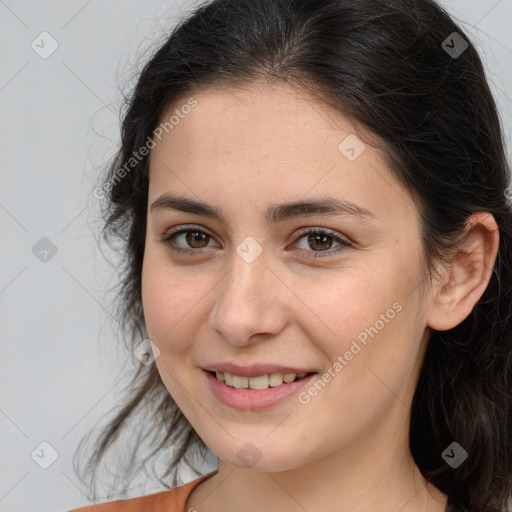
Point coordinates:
[(196, 239), (320, 240), (317, 241), (191, 240)]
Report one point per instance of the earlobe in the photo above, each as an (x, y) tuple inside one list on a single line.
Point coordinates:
[(467, 275)]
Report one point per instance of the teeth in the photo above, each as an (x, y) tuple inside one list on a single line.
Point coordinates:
[(240, 382), (259, 382), (275, 379)]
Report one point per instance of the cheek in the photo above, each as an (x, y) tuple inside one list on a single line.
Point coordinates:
[(168, 298), (337, 308), (364, 318)]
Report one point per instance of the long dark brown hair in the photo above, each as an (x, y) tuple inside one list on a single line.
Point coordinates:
[(396, 68)]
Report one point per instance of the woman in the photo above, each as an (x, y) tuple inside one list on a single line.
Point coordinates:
[(318, 235)]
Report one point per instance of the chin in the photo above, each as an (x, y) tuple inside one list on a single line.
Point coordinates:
[(247, 456)]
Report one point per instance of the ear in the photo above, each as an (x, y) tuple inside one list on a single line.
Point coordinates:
[(465, 278)]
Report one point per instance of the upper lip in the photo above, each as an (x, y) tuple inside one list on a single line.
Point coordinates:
[(253, 370)]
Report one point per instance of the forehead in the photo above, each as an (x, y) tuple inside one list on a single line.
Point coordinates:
[(258, 118), (279, 140)]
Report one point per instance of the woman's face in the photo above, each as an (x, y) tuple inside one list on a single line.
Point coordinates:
[(306, 288)]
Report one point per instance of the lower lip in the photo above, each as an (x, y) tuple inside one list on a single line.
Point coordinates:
[(253, 399)]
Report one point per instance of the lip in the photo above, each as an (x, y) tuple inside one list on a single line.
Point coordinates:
[(253, 370), (254, 399)]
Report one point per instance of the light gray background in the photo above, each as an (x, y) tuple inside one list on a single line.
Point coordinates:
[(60, 369)]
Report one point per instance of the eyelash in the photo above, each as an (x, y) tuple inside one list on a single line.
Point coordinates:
[(344, 244)]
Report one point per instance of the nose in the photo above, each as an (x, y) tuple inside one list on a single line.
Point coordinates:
[(247, 304)]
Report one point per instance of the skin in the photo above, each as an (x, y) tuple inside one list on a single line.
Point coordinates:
[(240, 150)]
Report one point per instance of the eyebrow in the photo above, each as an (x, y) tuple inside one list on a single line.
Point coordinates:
[(275, 213)]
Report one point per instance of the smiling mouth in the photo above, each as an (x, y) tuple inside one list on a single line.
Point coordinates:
[(259, 382)]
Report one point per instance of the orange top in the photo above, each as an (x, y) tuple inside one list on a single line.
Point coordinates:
[(173, 500)]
